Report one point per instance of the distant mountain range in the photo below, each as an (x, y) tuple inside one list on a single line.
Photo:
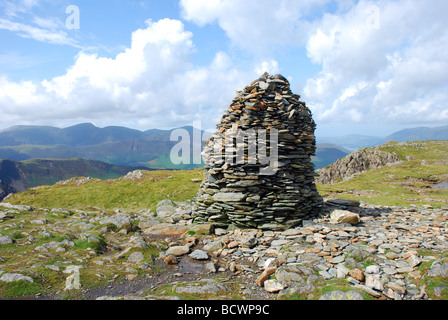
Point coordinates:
[(420, 134), (115, 145), (133, 148), (354, 142), (43, 155)]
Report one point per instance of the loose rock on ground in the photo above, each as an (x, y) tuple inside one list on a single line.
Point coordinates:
[(391, 253)]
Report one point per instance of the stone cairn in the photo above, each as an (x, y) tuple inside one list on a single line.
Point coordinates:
[(258, 169)]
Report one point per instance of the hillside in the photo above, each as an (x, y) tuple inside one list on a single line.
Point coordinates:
[(356, 141), (133, 238), (327, 153), (356, 163), (419, 134), (391, 174), (17, 176), (116, 145), (137, 190), (353, 141)]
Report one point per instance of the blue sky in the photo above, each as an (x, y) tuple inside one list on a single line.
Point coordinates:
[(364, 67)]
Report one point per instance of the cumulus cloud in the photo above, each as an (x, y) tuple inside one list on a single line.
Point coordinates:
[(381, 62), (255, 25), (269, 66), (377, 61), (151, 81)]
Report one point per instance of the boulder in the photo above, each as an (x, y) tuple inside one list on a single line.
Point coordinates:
[(17, 207), (438, 270), (199, 255), (178, 250), (165, 212), (273, 286), (165, 230), (6, 240), (136, 257), (120, 220), (10, 277), (206, 286), (344, 216), (265, 276)]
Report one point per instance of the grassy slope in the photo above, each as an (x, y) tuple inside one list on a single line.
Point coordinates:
[(135, 195), (404, 184)]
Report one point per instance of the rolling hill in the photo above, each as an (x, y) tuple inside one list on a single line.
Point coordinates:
[(419, 134), (393, 174), (30, 154), (17, 176), (327, 153), (115, 145), (355, 141)]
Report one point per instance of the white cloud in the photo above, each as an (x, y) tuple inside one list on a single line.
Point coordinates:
[(18, 17), (385, 65), (152, 83), (255, 25), (13, 8), (38, 33), (378, 62), (270, 66)]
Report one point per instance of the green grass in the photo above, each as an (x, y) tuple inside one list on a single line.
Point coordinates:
[(331, 285), (425, 164), (139, 194), (93, 197), (20, 288)]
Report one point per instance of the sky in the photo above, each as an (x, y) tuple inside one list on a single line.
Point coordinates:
[(362, 67)]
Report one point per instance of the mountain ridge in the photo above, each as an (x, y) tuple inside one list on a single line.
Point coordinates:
[(151, 148), (356, 141), (420, 133), (112, 144)]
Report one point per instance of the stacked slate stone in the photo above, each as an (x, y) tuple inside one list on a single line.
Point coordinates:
[(240, 190)]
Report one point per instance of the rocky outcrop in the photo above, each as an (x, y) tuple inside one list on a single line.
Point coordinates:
[(355, 163), (258, 165), (5, 190)]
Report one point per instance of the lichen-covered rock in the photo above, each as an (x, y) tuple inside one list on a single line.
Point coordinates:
[(10, 277), (344, 216), (341, 295), (357, 162), (6, 240), (120, 220)]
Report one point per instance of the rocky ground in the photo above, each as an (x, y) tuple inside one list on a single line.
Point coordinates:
[(354, 251)]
